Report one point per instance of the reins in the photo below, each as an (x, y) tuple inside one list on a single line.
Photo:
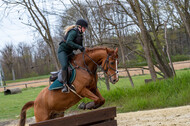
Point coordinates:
[(106, 63)]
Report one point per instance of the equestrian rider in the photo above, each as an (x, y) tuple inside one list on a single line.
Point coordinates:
[(73, 40)]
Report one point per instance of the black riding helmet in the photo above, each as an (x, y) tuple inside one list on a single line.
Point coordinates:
[(82, 23)]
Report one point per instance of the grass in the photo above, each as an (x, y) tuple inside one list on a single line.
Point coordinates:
[(10, 105), (160, 94)]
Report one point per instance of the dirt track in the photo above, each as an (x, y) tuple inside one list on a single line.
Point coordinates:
[(178, 116)]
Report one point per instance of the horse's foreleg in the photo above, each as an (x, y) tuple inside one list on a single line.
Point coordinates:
[(102, 100), (98, 104), (88, 94), (98, 100)]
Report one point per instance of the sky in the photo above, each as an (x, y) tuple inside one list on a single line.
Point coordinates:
[(12, 30)]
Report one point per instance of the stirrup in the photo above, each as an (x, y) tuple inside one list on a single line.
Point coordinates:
[(65, 89)]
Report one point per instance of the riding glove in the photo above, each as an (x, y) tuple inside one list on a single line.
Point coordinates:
[(82, 48)]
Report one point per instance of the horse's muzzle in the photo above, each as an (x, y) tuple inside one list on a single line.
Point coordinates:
[(113, 81)]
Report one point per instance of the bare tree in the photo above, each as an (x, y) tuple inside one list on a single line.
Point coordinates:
[(138, 19), (183, 8), (40, 23), (9, 58), (148, 20), (107, 10)]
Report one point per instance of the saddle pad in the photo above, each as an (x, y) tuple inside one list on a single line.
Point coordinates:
[(71, 73), (58, 85), (55, 85)]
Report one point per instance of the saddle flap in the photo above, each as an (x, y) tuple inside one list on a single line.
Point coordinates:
[(71, 73)]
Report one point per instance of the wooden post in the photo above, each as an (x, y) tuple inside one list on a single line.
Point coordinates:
[(142, 71)]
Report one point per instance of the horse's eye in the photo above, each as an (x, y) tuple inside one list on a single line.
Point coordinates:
[(112, 63)]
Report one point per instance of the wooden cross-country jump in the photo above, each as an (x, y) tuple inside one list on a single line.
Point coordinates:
[(100, 117)]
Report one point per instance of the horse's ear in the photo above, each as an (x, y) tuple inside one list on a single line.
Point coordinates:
[(116, 50)]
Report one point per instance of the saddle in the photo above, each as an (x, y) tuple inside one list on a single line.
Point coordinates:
[(56, 76)]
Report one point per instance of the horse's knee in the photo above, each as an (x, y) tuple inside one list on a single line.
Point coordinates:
[(100, 101), (103, 101)]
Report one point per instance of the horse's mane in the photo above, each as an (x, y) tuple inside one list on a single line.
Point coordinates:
[(96, 48), (91, 50), (87, 50)]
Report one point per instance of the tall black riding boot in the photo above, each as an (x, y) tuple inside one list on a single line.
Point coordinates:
[(64, 78)]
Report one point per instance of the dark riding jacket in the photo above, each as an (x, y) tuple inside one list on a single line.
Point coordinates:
[(72, 41)]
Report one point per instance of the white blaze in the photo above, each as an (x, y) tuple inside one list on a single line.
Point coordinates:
[(117, 73)]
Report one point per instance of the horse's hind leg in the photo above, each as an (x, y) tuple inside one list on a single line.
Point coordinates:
[(54, 115), (41, 115)]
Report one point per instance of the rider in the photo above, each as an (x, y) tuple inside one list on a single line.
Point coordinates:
[(73, 40)]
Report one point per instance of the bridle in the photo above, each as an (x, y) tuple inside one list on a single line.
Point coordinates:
[(105, 65)]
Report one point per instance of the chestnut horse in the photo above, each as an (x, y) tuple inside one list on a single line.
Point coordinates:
[(52, 104)]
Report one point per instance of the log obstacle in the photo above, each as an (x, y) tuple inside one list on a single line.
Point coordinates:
[(12, 91), (100, 117)]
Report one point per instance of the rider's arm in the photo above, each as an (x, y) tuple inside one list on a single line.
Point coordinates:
[(71, 36)]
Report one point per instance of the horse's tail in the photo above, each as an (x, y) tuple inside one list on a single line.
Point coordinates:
[(23, 112)]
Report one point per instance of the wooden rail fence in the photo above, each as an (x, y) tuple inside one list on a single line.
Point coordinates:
[(100, 117), (25, 84)]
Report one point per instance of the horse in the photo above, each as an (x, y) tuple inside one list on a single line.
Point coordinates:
[(52, 104)]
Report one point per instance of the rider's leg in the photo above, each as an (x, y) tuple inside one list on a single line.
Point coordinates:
[(63, 59), (64, 78)]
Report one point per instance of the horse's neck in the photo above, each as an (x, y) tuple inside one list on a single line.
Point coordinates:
[(96, 56)]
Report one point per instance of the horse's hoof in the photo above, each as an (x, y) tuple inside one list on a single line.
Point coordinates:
[(82, 106)]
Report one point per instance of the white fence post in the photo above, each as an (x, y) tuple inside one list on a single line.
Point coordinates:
[(1, 76)]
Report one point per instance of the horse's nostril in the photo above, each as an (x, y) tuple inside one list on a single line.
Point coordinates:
[(114, 80)]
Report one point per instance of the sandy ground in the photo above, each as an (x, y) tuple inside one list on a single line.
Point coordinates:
[(178, 116)]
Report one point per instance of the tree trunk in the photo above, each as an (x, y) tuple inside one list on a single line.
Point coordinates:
[(157, 51), (130, 78), (54, 56), (107, 81), (167, 50), (145, 39), (13, 73)]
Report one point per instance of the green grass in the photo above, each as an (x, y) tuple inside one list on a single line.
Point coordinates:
[(177, 58), (160, 94), (10, 105)]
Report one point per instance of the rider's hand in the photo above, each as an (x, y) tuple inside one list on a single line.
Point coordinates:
[(82, 49)]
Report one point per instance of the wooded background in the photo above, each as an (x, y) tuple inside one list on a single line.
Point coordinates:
[(147, 32)]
